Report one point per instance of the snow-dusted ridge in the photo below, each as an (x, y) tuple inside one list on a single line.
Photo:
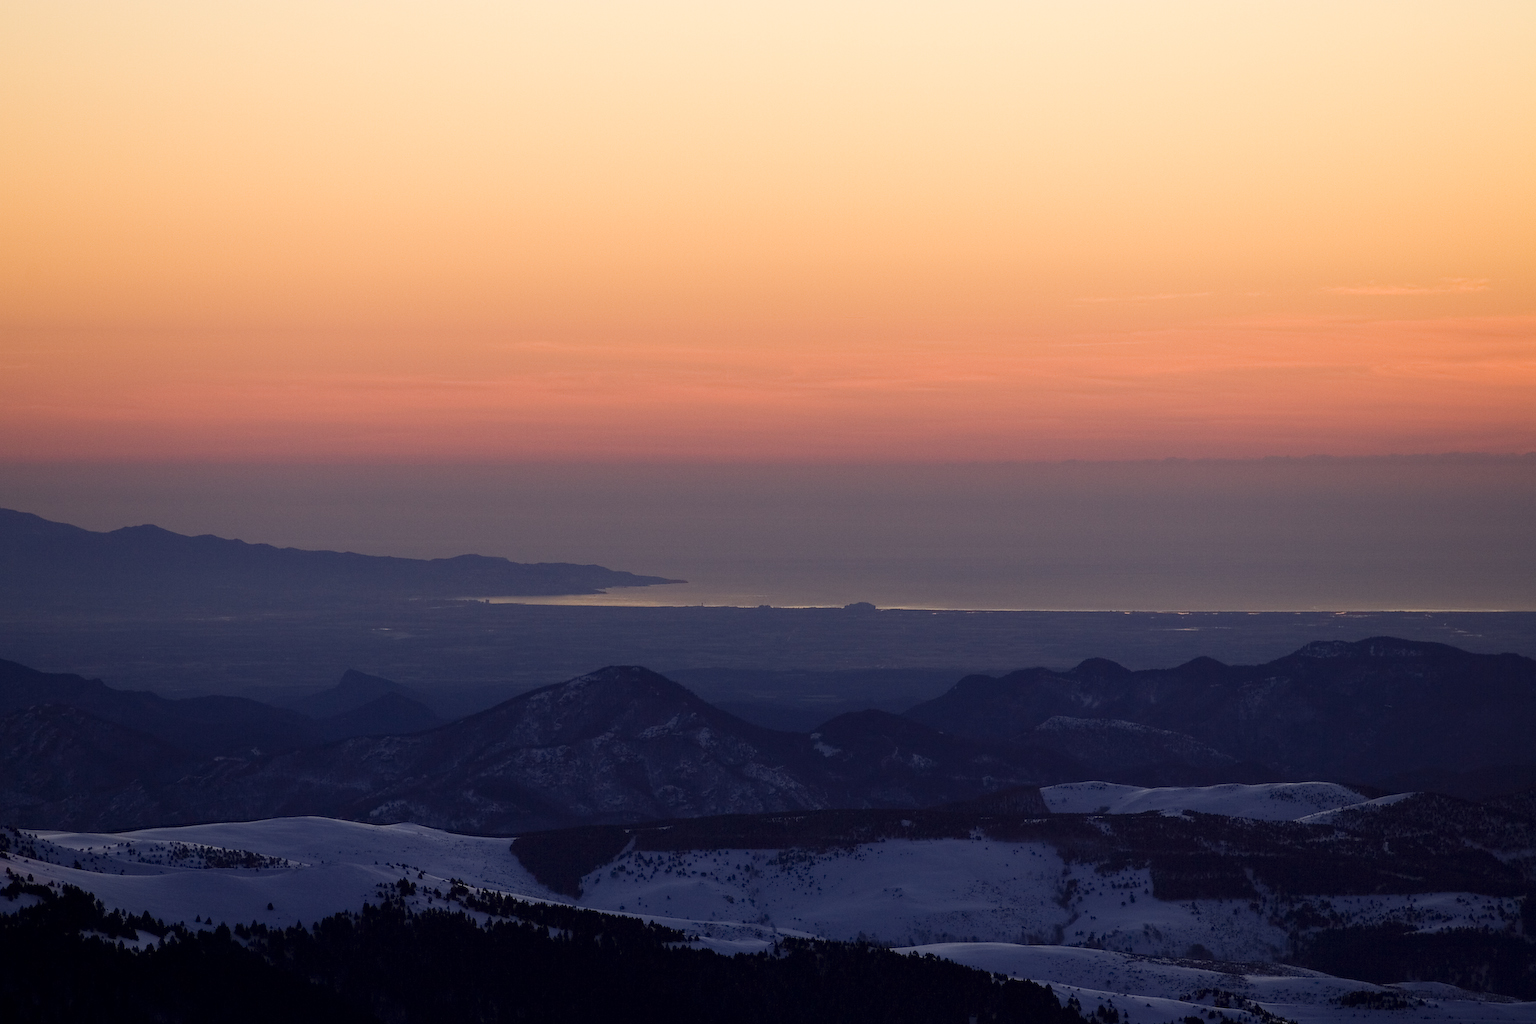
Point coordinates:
[(1280, 801), (1332, 814), (1015, 907)]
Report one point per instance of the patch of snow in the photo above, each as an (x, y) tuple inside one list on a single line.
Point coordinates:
[(1278, 801), (1329, 816)]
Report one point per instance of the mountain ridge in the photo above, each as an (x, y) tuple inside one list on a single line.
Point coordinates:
[(44, 562), (621, 744), (1364, 711), (626, 744)]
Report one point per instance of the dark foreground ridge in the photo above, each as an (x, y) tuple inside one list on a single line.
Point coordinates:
[(44, 564), (528, 962)]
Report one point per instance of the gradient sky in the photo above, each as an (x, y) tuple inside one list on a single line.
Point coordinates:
[(787, 231)]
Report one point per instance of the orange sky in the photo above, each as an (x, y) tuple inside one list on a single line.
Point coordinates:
[(778, 231)]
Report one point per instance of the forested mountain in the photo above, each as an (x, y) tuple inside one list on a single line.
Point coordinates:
[(529, 962)]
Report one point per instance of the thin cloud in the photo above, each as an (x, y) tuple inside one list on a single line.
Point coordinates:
[(1145, 298), (1447, 286)]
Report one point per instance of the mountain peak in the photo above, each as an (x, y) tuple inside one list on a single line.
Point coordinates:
[(1100, 668), (627, 675), (626, 683), (356, 690), (360, 685)]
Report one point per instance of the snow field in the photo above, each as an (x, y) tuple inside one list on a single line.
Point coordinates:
[(911, 892), (974, 901), (334, 866), (923, 891), (1281, 801), (906, 892)]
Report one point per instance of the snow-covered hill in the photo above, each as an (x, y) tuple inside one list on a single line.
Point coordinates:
[(309, 867), (1093, 929)]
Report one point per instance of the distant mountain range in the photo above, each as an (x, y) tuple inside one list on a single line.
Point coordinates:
[(364, 705), (623, 744), (627, 745), (217, 726), (48, 564), (1379, 711), (966, 827)]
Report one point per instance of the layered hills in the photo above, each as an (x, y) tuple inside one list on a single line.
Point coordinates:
[(622, 744), (963, 829), (1375, 711), (626, 745)]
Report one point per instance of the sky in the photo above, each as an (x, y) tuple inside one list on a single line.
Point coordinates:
[(895, 232)]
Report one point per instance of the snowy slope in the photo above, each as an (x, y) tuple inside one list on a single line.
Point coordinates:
[(303, 869), (1331, 815), (923, 891), (970, 900), (1145, 989), (895, 891), (1280, 801), (333, 866)]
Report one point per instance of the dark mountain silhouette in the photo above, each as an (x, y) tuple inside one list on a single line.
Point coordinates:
[(62, 766), (626, 745), (1118, 751), (876, 759), (365, 705), (1482, 783), (50, 564), (351, 692), (1369, 711), (197, 726), (623, 744), (391, 714)]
